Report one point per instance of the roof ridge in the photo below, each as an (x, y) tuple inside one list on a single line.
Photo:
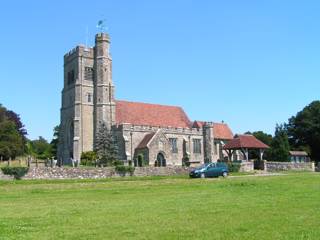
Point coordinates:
[(154, 104)]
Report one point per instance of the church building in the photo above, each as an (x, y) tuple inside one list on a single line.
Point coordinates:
[(146, 134)]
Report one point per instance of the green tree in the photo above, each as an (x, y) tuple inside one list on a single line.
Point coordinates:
[(11, 143), (88, 158), (106, 146), (41, 148), (280, 145), (11, 139), (263, 137), (55, 141), (304, 130), (15, 118)]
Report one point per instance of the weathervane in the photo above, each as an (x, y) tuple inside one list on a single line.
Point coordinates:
[(102, 26)]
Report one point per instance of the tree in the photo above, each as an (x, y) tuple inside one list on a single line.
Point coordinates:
[(12, 134), (41, 148), (280, 145), (88, 158), (55, 141), (106, 146), (304, 130), (14, 117), (11, 143)]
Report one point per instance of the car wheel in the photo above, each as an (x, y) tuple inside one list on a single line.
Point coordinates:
[(202, 175), (224, 174)]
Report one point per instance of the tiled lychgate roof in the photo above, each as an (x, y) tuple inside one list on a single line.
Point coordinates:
[(245, 141), (151, 115), (220, 130)]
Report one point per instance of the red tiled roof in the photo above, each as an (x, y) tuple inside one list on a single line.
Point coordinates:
[(151, 115), (220, 130), (145, 140), (245, 141), (198, 124)]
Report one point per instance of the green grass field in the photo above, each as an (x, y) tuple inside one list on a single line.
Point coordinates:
[(274, 207)]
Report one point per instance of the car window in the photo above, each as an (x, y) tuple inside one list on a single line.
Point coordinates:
[(212, 165)]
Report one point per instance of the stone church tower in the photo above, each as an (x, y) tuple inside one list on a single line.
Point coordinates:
[(87, 97)]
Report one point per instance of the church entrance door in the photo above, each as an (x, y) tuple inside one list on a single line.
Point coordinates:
[(161, 161)]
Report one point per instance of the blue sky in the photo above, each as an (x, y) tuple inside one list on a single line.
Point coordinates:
[(250, 63)]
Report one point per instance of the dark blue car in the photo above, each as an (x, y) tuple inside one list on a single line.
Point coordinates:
[(210, 170)]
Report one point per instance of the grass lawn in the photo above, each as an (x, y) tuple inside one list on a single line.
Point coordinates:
[(274, 207)]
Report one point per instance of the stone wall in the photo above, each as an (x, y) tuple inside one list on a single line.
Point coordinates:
[(285, 166), (246, 167), (69, 173), (318, 167), (161, 171), (95, 173)]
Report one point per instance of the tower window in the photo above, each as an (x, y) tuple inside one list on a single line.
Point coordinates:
[(71, 77), (89, 97), (88, 73), (196, 146)]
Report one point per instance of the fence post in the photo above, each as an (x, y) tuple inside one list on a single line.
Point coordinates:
[(265, 165), (29, 161), (36, 162), (9, 161), (313, 167)]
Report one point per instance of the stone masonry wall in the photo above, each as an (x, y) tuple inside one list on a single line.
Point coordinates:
[(285, 166), (95, 173), (246, 167)]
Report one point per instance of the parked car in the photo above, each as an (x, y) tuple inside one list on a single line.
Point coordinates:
[(210, 170)]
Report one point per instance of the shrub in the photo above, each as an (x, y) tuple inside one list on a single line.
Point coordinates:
[(234, 167), (122, 170), (185, 162), (117, 163), (16, 172), (88, 158)]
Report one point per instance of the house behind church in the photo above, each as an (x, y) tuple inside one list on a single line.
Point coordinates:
[(147, 134)]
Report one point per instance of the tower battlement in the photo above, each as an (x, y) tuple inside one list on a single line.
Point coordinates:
[(79, 51), (102, 37)]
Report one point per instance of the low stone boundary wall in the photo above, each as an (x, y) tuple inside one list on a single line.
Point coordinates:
[(95, 173), (69, 173), (246, 167), (161, 171), (285, 166), (318, 167)]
